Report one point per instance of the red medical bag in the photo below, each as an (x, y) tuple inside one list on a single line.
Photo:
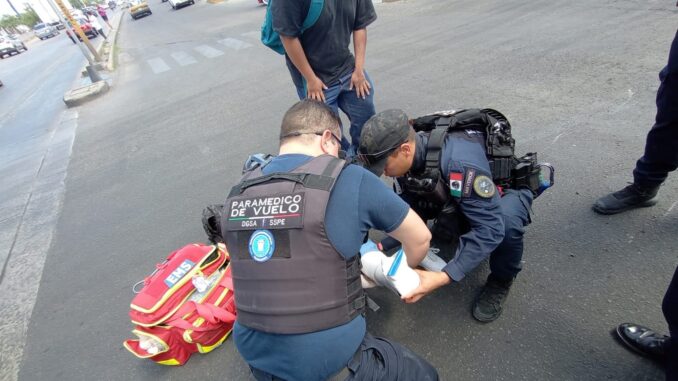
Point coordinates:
[(185, 306)]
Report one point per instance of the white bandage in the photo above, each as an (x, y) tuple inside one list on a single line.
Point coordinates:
[(376, 265)]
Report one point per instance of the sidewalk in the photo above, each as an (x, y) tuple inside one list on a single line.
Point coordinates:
[(87, 90)]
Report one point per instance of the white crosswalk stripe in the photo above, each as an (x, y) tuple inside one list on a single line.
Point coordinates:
[(183, 58), (158, 65), (208, 51), (234, 43), (255, 34)]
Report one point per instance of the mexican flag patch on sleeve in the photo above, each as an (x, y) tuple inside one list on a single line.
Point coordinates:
[(455, 183)]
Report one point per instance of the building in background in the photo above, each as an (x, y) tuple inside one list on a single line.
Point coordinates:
[(45, 11)]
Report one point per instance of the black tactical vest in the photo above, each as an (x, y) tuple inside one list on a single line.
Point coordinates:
[(428, 192), (289, 277)]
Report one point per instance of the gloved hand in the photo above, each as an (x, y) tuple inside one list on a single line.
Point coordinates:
[(368, 246)]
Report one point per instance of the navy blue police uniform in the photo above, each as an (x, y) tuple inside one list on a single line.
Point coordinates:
[(464, 176), (661, 156), (495, 223)]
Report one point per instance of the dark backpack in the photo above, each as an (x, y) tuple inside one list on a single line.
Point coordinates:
[(271, 38), (499, 143)]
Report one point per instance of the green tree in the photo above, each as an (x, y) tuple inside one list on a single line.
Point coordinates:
[(9, 23), (29, 17), (76, 4)]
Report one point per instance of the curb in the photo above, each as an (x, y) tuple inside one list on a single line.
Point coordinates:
[(85, 94), (81, 95)]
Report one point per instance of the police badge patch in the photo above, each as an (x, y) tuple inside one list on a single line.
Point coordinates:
[(484, 187), (261, 245)]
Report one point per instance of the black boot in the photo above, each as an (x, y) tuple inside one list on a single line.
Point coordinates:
[(644, 341), (489, 304), (633, 196)]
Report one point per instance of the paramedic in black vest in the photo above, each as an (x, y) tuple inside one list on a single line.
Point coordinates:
[(294, 228), (490, 224)]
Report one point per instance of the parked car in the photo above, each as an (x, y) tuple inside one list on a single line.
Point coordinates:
[(44, 31), (139, 9), (176, 4), (9, 46), (57, 24)]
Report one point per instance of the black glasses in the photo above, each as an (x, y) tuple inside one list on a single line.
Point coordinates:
[(312, 133)]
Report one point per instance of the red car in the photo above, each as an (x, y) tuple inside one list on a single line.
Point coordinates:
[(86, 27)]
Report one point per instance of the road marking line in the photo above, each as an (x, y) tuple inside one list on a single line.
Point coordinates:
[(183, 58), (234, 43), (158, 65), (671, 208), (208, 51)]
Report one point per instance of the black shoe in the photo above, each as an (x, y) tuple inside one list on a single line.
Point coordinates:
[(630, 197), (643, 340), (488, 306)]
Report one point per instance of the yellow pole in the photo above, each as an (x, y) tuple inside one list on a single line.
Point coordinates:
[(78, 30)]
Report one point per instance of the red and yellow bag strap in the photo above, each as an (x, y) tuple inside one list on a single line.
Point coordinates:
[(212, 314)]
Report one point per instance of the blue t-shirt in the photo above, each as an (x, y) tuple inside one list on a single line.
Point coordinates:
[(359, 201)]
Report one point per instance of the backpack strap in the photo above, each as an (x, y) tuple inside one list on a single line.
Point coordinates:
[(314, 11), (434, 149)]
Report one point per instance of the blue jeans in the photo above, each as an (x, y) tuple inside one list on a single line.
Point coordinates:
[(358, 110), (661, 155)]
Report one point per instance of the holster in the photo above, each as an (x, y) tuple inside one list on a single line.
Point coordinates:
[(526, 173)]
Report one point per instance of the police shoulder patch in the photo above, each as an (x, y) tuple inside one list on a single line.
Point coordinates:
[(484, 187)]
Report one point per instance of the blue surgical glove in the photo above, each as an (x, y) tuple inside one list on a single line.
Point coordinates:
[(368, 246)]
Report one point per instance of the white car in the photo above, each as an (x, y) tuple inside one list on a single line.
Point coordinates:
[(180, 3), (9, 46)]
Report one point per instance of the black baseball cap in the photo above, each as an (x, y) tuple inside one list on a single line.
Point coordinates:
[(381, 135)]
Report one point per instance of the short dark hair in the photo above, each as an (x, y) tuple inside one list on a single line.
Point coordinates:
[(309, 117)]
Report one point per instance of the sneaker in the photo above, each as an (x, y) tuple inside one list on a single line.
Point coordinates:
[(633, 196), (432, 261), (489, 304)]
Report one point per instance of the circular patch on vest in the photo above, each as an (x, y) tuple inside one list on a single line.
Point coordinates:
[(484, 187), (262, 245)]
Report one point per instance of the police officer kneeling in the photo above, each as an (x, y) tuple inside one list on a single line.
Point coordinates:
[(294, 227), (444, 174)]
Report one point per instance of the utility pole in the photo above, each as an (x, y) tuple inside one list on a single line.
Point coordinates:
[(65, 15), (12, 6)]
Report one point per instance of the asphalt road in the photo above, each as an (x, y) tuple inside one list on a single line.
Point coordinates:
[(195, 93), (34, 151)]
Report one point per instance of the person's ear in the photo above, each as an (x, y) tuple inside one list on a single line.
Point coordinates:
[(406, 148)]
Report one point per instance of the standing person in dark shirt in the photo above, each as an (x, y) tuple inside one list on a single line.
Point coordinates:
[(320, 61), (294, 227)]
